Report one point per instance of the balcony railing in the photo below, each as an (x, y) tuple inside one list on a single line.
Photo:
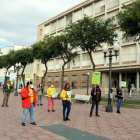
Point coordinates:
[(86, 63)]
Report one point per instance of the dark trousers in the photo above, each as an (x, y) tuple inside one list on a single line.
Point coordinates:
[(68, 106), (93, 105)]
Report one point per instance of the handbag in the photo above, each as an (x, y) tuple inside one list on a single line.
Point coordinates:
[(64, 102)]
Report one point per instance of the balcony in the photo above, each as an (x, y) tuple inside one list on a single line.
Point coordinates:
[(57, 67), (76, 65), (50, 67), (100, 9), (86, 63), (113, 3)]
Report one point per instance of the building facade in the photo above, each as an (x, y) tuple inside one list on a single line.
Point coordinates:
[(125, 68)]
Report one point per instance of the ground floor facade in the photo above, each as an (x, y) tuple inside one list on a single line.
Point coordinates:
[(80, 79)]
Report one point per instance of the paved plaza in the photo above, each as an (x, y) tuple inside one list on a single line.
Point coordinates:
[(108, 126)]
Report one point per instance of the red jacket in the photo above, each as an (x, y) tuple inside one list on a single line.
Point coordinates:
[(26, 98)]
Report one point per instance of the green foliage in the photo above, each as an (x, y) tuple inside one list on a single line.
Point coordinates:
[(88, 34), (44, 51), (63, 50), (129, 21), (24, 56)]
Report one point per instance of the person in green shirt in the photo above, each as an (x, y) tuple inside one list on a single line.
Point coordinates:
[(6, 91)]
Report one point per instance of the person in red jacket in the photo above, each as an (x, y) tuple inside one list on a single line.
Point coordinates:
[(29, 101), (96, 99)]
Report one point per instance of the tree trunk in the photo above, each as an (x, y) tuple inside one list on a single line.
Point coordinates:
[(93, 65), (44, 73), (62, 80), (23, 76)]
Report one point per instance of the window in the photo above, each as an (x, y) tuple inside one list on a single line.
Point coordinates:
[(53, 26), (56, 78), (47, 29), (112, 3), (37, 66), (77, 15), (60, 23), (88, 10), (84, 78), (74, 78), (68, 19), (49, 79), (8, 73), (99, 7), (40, 31), (65, 78)]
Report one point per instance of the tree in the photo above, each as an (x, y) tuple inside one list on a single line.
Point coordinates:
[(25, 57), (43, 51), (64, 51), (8, 61), (88, 34), (129, 21)]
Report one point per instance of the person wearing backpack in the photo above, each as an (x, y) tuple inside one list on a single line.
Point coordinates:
[(96, 99), (120, 97), (66, 102)]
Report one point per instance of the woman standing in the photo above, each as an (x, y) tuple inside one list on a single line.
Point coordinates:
[(120, 97), (51, 97), (39, 90), (66, 102)]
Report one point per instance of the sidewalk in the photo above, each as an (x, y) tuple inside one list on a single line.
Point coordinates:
[(109, 125)]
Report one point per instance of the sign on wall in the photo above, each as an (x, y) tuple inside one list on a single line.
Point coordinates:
[(40, 74), (12, 76), (96, 77)]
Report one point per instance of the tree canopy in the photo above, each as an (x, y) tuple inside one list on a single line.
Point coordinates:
[(63, 50), (129, 21), (88, 34), (44, 51)]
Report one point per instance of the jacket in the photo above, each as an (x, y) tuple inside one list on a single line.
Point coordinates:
[(39, 91), (5, 88), (51, 90), (94, 97), (26, 98), (119, 94), (64, 94)]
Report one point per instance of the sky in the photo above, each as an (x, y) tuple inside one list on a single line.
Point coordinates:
[(19, 19)]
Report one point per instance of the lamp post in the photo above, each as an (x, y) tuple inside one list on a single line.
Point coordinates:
[(105, 49), (18, 66), (87, 82)]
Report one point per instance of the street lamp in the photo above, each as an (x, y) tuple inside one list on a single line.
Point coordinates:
[(18, 66), (105, 49), (87, 81)]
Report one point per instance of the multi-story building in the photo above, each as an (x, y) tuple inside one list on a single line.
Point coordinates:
[(125, 68)]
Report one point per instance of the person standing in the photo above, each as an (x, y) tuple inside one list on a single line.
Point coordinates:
[(51, 91), (29, 101), (120, 97), (39, 90), (66, 102), (96, 99), (129, 90), (6, 91), (115, 82)]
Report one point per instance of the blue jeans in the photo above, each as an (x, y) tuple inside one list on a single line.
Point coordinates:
[(25, 111), (68, 106), (119, 104)]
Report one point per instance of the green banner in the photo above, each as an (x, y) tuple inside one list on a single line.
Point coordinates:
[(123, 84), (96, 77)]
